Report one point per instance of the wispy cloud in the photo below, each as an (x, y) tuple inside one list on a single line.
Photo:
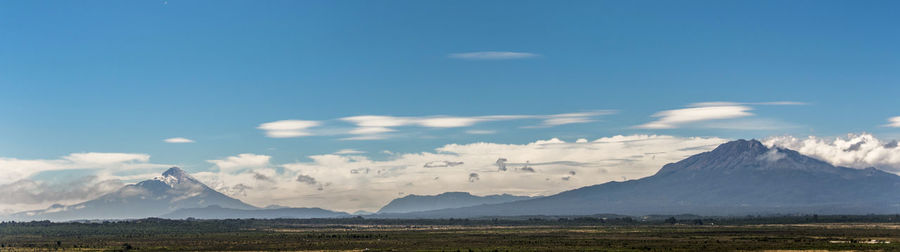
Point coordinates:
[(364, 137), (722, 103), (711, 111), (492, 55), (371, 127), (178, 140), (369, 124), (893, 122), (480, 132), (370, 130), (669, 119), (240, 162), (375, 127), (103, 158), (571, 118), (348, 152), (288, 128)]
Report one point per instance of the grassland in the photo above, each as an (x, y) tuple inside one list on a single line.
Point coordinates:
[(447, 235)]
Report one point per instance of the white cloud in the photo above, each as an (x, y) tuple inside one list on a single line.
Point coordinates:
[(368, 124), (20, 192), (178, 140), (450, 122), (27, 194), (374, 127), (370, 130), (100, 158), (240, 162), (371, 127), (571, 118), (492, 55), (893, 122), (378, 121), (566, 120), (772, 155), (17, 169), (721, 103), (245, 176), (480, 132), (349, 151), (288, 128), (368, 184), (364, 137), (854, 150), (705, 112), (669, 119)]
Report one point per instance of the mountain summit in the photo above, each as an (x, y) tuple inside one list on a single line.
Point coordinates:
[(176, 177), (176, 173), (736, 178), (173, 190), (747, 155)]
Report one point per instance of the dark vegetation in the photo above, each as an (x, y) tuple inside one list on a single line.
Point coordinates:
[(653, 233)]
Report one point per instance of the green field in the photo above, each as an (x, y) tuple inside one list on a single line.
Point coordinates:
[(448, 235)]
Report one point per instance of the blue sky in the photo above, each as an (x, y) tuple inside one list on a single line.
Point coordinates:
[(121, 76)]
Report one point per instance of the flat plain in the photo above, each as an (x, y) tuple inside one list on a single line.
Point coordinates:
[(445, 235)]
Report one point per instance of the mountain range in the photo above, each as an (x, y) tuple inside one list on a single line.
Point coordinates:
[(736, 178)]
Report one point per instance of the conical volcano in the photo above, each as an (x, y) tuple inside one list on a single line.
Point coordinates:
[(174, 189)]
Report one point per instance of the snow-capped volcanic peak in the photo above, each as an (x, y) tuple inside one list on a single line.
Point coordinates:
[(175, 172), (169, 180), (173, 176)]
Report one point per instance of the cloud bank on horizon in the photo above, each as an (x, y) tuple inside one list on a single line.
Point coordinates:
[(854, 150), (541, 167), (538, 168)]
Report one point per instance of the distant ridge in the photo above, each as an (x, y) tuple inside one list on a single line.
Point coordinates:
[(739, 177), (417, 203)]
